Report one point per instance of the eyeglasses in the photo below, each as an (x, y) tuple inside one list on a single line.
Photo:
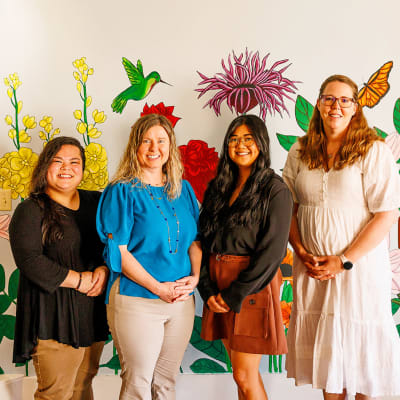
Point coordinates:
[(328, 100), (247, 141)]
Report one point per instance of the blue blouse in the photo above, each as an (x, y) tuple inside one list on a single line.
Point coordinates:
[(128, 213)]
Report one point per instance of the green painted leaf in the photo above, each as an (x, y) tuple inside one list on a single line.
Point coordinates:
[(303, 110), (380, 132), (109, 339), (7, 324), (206, 366), (13, 284), (113, 363), (5, 302), (398, 329), (2, 278), (286, 141), (396, 115), (214, 349), (395, 306), (287, 292), (19, 364), (1, 371)]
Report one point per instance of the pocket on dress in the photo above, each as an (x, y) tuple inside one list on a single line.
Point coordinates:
[(253, 317)]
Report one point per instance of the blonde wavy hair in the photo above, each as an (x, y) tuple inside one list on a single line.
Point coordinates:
[(358, 140), (129, 166)]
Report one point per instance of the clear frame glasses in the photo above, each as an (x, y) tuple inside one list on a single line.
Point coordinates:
[(246, 140), (329, 100)]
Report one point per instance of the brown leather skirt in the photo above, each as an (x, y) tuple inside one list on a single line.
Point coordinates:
[(258, 328)]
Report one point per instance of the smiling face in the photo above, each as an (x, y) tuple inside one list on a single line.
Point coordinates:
[(242, 149), (153, 152), (65, 171), (336, 119)]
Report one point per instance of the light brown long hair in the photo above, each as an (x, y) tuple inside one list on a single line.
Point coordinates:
[(129, 166), (357, 142)]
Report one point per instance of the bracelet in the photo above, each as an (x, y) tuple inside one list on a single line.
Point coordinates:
[(80, 281)]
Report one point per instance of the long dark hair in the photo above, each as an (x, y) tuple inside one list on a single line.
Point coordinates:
[(220, 189), (52, 229)]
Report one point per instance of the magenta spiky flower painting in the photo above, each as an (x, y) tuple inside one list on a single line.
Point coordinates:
[(247, 82)]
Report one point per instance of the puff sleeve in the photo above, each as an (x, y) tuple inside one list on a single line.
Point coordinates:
[(115, 220), (381, 179)]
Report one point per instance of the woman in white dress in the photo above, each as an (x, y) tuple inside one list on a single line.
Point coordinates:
[(346, 189)]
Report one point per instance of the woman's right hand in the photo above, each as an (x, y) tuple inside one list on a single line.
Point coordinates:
[(87, 282), (308, 259), (215, 304), (166, 291)]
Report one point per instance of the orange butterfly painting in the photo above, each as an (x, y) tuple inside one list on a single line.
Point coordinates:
[(377, 86)]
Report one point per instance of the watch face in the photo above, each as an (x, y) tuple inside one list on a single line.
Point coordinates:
[(348, 265)]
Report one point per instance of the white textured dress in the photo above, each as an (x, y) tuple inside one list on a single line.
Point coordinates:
[(342, 333)]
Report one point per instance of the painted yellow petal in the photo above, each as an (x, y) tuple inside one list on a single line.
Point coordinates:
[(78, 114), (19, 106), (90, 71), (42, 135), (78, 86), (8, 119), (84, 78), (6, 82), (48, 128), (88, 101), (81, 127), (10, 93), (76, 76)]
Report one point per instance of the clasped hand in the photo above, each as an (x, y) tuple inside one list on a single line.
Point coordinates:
[(180, 290), (322, 268), (94, 283)]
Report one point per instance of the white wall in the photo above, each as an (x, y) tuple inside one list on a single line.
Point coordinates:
[(41, 38)]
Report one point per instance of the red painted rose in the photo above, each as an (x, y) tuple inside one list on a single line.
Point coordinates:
[(200, 162), (161, 109)]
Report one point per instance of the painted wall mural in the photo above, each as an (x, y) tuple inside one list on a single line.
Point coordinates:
[(245, 83)]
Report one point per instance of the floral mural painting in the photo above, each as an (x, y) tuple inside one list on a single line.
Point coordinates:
[(4, 223), (200, 163), (161, 109), (95, 176), (246, 82), (140, 87)]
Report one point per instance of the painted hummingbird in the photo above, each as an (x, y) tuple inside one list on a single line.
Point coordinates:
[(141, 86)]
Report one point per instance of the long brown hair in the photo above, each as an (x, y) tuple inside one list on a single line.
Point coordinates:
[(129, 166), (52, 212), (357, 142)]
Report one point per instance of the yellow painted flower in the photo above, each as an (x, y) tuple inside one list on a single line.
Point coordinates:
[(8, 120), (96, 157), (12, 133), (42, 135), (19, 106), (76, 76), (78, 114), (98, 117), (6, 82), (55, 132), (93, 132), (5, 174), (23, 161), (88, 182), (101, 178), (84, 78), (88, 101), (10, 93), (45, 120), (29, 122), (81, 127), (90, 71), (15, 185), (78, 86), (48, 128), (24, 137)]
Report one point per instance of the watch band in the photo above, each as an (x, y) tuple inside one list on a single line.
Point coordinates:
[(347, 264)]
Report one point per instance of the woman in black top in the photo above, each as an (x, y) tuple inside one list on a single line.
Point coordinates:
[(245, 223), (61, 317)]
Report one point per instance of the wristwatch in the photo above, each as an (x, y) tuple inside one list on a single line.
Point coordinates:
[(347, 264)]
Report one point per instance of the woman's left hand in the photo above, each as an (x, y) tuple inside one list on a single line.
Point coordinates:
[(100, 277), (185, 286), (327, 268)]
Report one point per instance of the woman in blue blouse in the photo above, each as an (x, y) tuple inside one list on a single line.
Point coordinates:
[(147, 218)]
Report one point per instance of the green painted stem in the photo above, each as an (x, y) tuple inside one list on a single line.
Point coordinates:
[(275, 364), (26, 368), (270, 364), (114, 353), (280, 363), (85, 137), (17, 145)]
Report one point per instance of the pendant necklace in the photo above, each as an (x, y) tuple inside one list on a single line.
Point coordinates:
[(153, 198)]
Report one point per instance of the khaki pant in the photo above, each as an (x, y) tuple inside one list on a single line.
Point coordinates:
[(151, 337), (63, 372)]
